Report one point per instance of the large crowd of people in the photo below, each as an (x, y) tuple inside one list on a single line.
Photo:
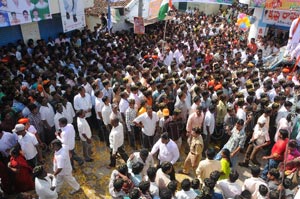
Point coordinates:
[(195, 88)]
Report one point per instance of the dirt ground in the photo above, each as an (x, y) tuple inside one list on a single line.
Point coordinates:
[(94, 176)]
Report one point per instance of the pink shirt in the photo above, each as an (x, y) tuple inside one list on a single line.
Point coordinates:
[(194, 121)]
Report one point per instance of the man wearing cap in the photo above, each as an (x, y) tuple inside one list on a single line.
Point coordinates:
[(62, 167), (45, 183), (174, 126), (260, 138), (29, 145), (30, 128)]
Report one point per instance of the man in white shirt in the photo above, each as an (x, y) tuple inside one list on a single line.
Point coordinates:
[(29, 145), (59, 114), (186, 192), (168, 151), (102, 132), (68, 110), (62, 167), (230, 187), (252, 183), (124, 104), (116, 142), (45, 184), (85, 135), (66, 135), (148, 122), (47, 117), (83, 101), (143, 157), (208, 125)]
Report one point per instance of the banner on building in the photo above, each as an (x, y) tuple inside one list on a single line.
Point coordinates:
[(226, 2), (72, 14), (15, 12), (139, 27), (280, 18), (154, 6), (276, 4)]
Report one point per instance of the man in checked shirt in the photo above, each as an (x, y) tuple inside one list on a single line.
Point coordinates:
[(175, 127)]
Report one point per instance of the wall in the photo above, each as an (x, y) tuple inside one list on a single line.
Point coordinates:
[(30, 31), (54, 6), (205, 7), (258, 13)]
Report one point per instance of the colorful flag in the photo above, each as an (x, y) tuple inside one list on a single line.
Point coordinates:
[(165, 6)]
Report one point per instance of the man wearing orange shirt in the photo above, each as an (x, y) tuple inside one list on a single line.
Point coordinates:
[(252, 45)]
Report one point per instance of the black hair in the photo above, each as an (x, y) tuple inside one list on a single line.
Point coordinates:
[(255, 171), (63, 121), (215, 175), (172, 186), (195, 183), (186, 184), (240, 122), (151, 173), (246, 194), (144, 153), (123, 169), (118, 184), (210, 153), (165, 136), (144, 186), (226, 152), (284, 133), (135, 193), (165, 166), (274, 172), (137, 168), (165, 194), (263, 190), (273, 194)]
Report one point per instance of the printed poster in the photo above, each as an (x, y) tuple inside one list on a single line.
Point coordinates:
[(139, 27), (154, 6), (15, 12), (281, 18), (72, 14), (276, 4)]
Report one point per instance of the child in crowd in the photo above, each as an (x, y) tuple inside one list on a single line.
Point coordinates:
[(196, 186), (225, 164), (263, 192)]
